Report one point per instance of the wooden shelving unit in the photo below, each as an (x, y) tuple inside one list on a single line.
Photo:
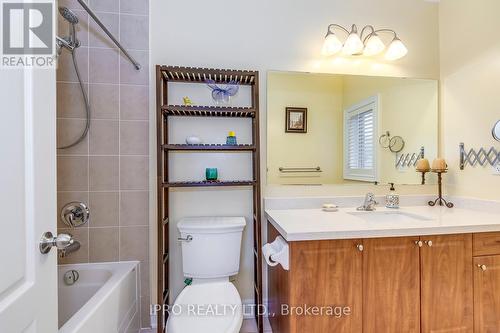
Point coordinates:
[(164, 75)]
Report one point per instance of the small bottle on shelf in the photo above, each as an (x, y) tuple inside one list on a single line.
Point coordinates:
[(231, 139)]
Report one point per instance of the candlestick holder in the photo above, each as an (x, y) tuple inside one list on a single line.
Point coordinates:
[(440, 200), (423, 176)]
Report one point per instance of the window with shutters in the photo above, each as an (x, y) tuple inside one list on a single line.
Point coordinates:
[(360, 151)]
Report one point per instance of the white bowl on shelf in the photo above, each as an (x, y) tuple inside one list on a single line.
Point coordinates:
[(193, 140)]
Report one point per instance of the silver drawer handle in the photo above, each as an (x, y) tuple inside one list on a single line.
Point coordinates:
[(187, 239)]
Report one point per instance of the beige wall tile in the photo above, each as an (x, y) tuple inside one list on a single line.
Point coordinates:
[(103, 244), (134, 243), (104, 209), (68, 132), (72, 173), (134, 172), (64, 198), (97, 37), (134, 32), (104, 101), (134, 208), (103, 173), (134, 102), (104, 5), (104, 137), (82, 28), (66, 70), (82, 255), (103, 65), (70, 100), (134, 137), (139, 7), (128, 73), (110, 101)]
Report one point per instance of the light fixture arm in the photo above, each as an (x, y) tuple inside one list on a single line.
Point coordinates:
[(363, 32), (333, 25), (374, 32)]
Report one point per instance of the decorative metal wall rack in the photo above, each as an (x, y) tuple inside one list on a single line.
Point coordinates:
[(482, 156), (409, 160)]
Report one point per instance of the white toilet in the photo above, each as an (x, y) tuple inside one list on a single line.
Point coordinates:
[(211, 249)]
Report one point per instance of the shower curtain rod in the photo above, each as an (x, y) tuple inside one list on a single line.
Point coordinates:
[(110, 35)]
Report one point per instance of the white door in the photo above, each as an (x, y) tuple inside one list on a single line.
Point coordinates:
[(28, 279)]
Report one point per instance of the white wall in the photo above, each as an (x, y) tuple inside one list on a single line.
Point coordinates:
[(470, 74), (275, 35)]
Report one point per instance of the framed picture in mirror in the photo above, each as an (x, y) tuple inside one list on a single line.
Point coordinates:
[(296, 120)]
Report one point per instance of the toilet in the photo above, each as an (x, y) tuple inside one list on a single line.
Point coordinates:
[(211, 248)]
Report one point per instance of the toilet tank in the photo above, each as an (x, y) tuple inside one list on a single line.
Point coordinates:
[(215, 246)]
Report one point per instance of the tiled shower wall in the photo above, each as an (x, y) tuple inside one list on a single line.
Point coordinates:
[(108, 170)]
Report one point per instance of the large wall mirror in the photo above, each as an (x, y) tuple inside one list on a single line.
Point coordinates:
[(342, 129)]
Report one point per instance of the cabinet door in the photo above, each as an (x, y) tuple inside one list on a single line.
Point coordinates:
[(391, 285), (446, 280), (326, 274), (487, 294)]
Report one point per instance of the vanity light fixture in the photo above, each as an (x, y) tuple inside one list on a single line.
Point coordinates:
[(366, 43)]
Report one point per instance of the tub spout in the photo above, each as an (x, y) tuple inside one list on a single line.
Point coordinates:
[(69, 249)]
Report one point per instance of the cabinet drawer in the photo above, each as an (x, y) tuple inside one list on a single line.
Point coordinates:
[(486, 244)]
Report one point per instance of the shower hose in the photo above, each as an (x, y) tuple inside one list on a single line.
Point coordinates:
[(87, 105)]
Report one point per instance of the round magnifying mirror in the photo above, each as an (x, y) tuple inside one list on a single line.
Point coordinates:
[(396, 144), (496, 131)]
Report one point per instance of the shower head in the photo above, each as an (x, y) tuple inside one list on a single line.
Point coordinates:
[(70, 42), (68, 15)]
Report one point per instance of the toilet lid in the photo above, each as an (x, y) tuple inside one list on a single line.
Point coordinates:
[(206, 308)]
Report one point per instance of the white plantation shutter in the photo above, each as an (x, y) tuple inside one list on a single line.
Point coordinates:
[(360, 128)]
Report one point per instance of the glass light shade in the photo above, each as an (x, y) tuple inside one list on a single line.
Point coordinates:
[(331, 45), (353, 44), (396, 50), (374, 46)]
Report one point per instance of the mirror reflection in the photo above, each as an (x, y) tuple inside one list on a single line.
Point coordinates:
[(342, 129)]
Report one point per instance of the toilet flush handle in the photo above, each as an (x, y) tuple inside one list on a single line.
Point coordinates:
[(187, 239)]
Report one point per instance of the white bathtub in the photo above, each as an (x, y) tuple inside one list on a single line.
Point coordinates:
[(105, 299)]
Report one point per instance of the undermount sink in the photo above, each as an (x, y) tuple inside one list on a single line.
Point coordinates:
[(388, 216)]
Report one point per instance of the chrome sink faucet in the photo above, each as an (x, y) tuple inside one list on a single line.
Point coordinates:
[(369, 204)]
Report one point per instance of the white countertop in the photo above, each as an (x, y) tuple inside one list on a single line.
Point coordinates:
[(315, 224)]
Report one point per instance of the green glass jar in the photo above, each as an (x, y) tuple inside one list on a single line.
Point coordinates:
[(211, 173)]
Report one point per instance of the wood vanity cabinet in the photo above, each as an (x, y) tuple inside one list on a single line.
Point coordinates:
[(446, 284), (322, 274), (393, 285), (486, 283)]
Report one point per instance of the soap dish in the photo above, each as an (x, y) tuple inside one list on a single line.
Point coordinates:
[(327, 207)]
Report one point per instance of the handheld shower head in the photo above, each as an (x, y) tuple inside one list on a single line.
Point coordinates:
[(71, 41), (68, 15)]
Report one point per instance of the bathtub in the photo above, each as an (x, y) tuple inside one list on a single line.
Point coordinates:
[(104, 299)]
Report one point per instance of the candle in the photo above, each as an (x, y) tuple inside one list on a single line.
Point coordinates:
[(439, 165), (423, 165)]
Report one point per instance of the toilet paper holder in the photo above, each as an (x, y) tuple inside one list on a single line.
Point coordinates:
[(277, 253)]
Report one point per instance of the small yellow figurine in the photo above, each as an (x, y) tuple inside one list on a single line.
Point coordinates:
[(187, 101)]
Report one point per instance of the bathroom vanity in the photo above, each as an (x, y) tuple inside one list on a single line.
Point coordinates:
[(417, 269)]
